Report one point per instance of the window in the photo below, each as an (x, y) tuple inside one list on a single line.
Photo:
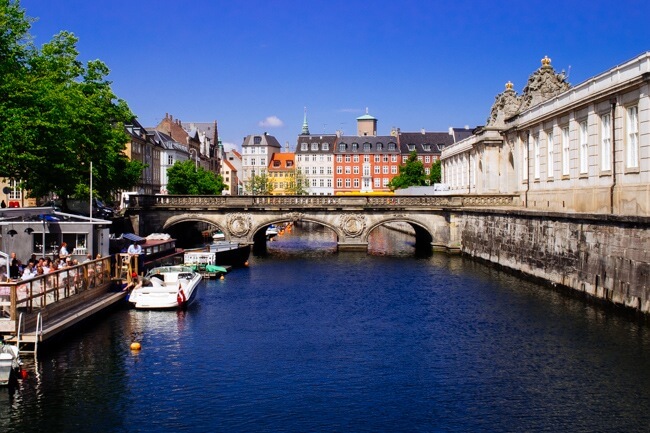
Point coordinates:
[(170, 159), (549, 153), (366, 158), (329, 170), (15, 192), (377, 169), (326, 146), (377, 182), (427, 171), (632, 145), (427, 159), (366, 146), (347, 158), (385, 158), (252, 161), (524, 160), (329, 158), (347, 183), (404, 159), (355, 169), (584, 147), (339, 170), (356, 183), (347, 169), (391, 146), (411, 147), (257, 139), (377, 158), (342, 147), (385, 182), (355, 147), (393, 169), (379, 146), (313, 183), (385, 169), (329, 183), (565, 151), (313, 170), (339, 183), (355, 158), (303, 146), (313, 158), (426, 147), (536, 155), (366, 170), (322, 182), (339, 158), (605, 143), (321, 170), (314, 146)]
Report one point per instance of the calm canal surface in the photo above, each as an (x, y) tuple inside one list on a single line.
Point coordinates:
[(310, 340)]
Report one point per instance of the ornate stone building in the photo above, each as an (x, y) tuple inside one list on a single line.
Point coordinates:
[(584, 148)]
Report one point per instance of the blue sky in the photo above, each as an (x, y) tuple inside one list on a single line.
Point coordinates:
[(254, 65)]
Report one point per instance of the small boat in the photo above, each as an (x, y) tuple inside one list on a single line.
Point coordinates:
[(218, 236), (203, 263), (271, 232), (227, 253), (9, 363), (166, 287)]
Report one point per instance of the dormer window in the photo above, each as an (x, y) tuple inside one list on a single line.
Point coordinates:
[(257, 139), (303, 146), (342, 147), (379, 146), (289, 163), (426, 147), (411, 147), (367, 147), (355, 147), (314, 146), (391, 146), (326, 146), (276, 163)]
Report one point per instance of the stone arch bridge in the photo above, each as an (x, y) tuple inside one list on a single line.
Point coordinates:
[(352, 218)]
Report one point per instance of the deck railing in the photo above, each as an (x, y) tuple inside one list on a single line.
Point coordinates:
[(38, 292)]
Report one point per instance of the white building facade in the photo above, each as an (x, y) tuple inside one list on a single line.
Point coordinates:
[(584, 148)]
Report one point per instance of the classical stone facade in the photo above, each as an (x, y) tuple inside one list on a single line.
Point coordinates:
[(561, 148)]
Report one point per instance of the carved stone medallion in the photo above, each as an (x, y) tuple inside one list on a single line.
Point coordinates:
[(352, 225), (295, 216), (239, 224)]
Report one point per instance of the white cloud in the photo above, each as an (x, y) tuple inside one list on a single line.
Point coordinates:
[(271, 122)]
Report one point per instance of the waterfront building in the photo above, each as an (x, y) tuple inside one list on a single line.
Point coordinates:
[(170, 152), (174, 129), (256, 154), (365, 163), (282, 173), (427, 145), (208, 136), (231, 170), (141, 147), (13, 195), (564, 148)]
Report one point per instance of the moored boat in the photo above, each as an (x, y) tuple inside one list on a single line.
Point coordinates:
[(166, 287), (228, 253), (271, 232), (9, 363)]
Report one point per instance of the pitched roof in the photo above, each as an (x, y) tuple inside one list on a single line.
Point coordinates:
[(435, 140), (285, 160), (378, 144)]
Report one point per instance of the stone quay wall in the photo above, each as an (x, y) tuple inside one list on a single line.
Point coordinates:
[(604, 256)]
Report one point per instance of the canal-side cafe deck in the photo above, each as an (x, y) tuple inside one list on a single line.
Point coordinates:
[(38, 308)]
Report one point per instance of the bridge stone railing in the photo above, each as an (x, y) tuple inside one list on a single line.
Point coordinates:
[(311, 201)]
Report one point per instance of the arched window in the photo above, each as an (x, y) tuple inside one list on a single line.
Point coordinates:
[(391, 146), (355, 147), (367, 146), (342, 147)]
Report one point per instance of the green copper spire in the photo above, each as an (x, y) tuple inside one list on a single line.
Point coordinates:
[(305, 127)]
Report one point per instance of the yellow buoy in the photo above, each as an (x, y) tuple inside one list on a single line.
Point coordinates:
[(221, 277), (245, 263), (135, 346)]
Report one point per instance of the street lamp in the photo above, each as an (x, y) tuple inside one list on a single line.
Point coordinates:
[(196, 158)]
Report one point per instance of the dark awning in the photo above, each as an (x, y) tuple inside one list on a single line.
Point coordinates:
[(133, 237)]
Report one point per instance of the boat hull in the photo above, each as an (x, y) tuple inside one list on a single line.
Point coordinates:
[(166, 288), (230, 253), (9, 363)]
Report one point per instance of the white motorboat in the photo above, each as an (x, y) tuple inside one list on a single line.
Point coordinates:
[(166, 287), (9, 362), (271, 232)]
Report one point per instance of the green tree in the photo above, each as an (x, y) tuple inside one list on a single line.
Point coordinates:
[(184, 178), (58, 115), (260, 185), (299, 184), (436, 173), (410, 174)]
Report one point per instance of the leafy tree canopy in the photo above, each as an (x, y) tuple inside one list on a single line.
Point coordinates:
[(410, 174), (58, 115), (436, 173), (260, 185), (184, 178)]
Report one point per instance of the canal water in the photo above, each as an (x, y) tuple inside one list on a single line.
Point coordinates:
[(309, 340)]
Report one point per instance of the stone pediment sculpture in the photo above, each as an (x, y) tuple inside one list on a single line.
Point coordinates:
[(542, 85), (506, 105)]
